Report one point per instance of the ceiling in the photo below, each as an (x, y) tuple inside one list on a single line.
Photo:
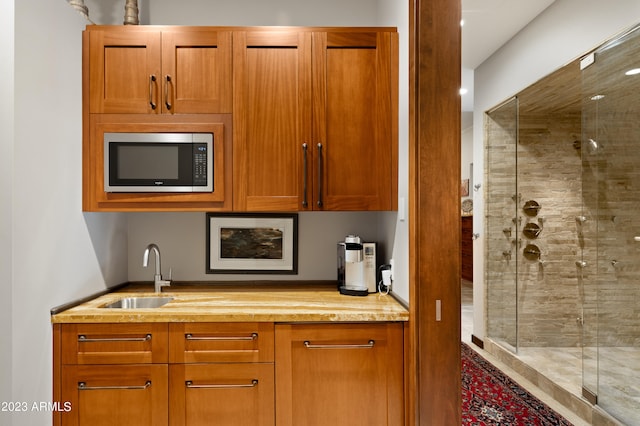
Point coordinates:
[(489, 24)]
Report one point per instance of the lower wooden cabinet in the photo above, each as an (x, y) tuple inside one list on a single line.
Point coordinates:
[(123, 395), (253, 374), (339, 374), (221, 394)]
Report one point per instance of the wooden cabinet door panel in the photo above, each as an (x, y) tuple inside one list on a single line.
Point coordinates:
[(339, 374), (272, 116), (221, 394), (353, 120), (123, 395), (124, 71), (198, 65)]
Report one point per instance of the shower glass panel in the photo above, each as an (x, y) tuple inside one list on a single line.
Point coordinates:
[(611, 196), (502, 224)]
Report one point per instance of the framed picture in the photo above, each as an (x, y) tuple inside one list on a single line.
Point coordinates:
[(252, 243), (464, 188)]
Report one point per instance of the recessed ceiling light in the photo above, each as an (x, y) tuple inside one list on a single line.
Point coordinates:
[(633, 71), (463, 91), (596, 97)]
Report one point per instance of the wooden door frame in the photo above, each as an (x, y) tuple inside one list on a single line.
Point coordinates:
[(434, 383)]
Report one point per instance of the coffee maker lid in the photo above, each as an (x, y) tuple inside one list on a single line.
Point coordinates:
[(352, 239)]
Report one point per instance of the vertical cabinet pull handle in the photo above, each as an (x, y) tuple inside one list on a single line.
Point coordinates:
[(253, 384), (167, 80), (152, 79), (83, 387), (319, 175), (304, 172)]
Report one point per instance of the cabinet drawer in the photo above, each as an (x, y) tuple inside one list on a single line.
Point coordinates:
[(114, 343), (232, 394), (127, 395), (221, 342)]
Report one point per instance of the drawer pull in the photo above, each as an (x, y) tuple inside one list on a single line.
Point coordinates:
[(84, 339), (254, 336), (369, 345), (83, 386), (253, 384)]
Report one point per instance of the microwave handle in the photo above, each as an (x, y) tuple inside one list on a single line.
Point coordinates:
[(152, 79)]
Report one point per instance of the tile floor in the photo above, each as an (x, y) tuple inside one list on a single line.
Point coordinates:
[(467, 329), (554, 375)]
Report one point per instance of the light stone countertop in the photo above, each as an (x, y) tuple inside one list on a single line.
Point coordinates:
[(241, 305)]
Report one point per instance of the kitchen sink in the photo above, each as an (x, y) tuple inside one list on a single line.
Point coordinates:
[(139, 303)]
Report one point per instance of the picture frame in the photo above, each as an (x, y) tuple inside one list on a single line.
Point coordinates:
[(464, 188), (252, 243)]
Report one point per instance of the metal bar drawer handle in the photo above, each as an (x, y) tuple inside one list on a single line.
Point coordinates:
[(253, 384), (83, 338), (254, 336), (83, 386), (369, 345)]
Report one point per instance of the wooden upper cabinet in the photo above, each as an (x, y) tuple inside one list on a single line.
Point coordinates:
[(315, 120), (355, 120), (271, 119), (148, 70)]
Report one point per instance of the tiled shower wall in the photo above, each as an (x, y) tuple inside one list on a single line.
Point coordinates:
[(548, 171), (612, 196)]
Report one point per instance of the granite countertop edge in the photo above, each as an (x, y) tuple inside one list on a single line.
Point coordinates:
[(292, 304)]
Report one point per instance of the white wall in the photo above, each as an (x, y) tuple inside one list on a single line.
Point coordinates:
[(563, 32), (6, 194), (56, 254)]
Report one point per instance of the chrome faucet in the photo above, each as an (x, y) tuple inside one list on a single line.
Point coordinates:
[(157, 278)]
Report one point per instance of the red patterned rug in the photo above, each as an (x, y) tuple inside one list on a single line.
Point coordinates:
[(489, 397)]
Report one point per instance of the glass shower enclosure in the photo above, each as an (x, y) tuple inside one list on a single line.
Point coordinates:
[(562, 222)]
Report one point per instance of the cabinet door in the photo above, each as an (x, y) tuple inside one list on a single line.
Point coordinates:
[(221, 394), (124, 71), (196, 71), (271, 119), (355, 120), (339, 374), (123, 395)]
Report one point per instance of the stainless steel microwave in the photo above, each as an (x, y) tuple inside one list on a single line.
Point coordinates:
[(158, 162)]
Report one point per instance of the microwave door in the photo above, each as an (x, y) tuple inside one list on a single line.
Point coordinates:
[(133, 164)]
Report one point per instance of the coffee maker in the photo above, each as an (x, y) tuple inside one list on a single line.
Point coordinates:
[(357, 267)]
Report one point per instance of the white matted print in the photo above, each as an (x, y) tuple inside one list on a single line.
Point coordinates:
[(255, 243)]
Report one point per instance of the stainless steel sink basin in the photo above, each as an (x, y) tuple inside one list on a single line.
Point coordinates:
[(139, 302)]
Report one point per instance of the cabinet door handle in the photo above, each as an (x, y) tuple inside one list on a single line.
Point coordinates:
[(253, 384), (254, 336), (83, 386), (304, 165), (167, 80), (319, 175), (369, 345), (84, 339), (152, 79)]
